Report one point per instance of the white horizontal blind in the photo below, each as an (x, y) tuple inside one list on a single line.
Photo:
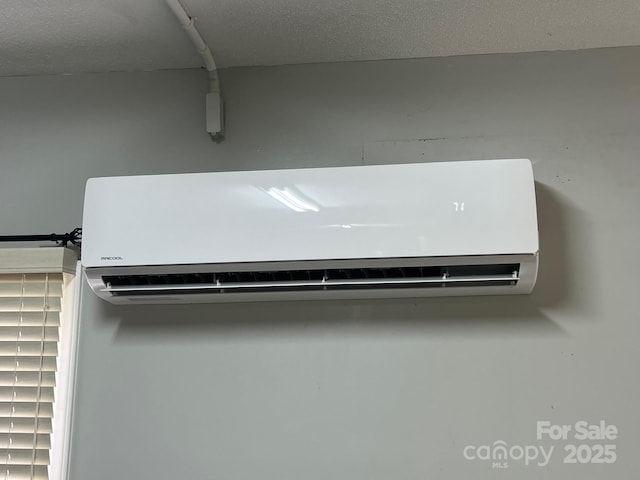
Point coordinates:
[(30, 307)]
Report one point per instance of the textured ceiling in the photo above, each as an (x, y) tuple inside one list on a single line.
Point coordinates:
[(66, 36)]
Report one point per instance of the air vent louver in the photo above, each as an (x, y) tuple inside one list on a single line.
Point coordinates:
[(457, 276)]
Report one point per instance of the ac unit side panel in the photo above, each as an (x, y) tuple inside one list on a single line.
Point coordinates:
[(449, 209)]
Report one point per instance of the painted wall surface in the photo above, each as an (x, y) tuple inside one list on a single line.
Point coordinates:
[(354, 390)]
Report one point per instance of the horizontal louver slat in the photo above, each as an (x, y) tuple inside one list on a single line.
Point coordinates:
[(25, 472), (33, 289), (53, 279), (13, 456), (27, 379), (26, 394), (18, 348), (27, 333), (25, 425), (29, 319), (29, 304), (26, 409), (24, 441), (28, 363), (320, 279)]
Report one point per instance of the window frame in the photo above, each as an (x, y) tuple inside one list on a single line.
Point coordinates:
[(64, 391)]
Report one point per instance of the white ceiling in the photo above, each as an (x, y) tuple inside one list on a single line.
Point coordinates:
[(66, 36)]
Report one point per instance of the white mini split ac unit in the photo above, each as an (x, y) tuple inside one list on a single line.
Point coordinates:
[(427, 229)]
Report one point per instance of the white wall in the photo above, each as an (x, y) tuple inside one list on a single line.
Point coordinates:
[(352, 390)]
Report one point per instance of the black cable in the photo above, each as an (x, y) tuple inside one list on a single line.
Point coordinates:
[(74, 238)]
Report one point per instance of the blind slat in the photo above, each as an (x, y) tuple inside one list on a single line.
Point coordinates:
[(29, 304), (34, 289), (26, 394), (28, 363), (27, 379), (52, 278), (27, 333), (25, 425), (24, 472), (25, 440), (18, 348), (26, 409), (29, 319), (11, 456)]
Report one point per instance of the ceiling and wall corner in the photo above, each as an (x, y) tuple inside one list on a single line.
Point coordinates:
[(53, 37)]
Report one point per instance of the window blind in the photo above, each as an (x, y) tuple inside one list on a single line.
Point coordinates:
[(30, 307)]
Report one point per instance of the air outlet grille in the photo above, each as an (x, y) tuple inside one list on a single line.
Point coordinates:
[(458, 276)]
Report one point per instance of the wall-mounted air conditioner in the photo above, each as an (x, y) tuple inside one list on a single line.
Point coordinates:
[(427, 229)]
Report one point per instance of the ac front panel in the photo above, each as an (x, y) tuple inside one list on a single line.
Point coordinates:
[(449, 209)]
